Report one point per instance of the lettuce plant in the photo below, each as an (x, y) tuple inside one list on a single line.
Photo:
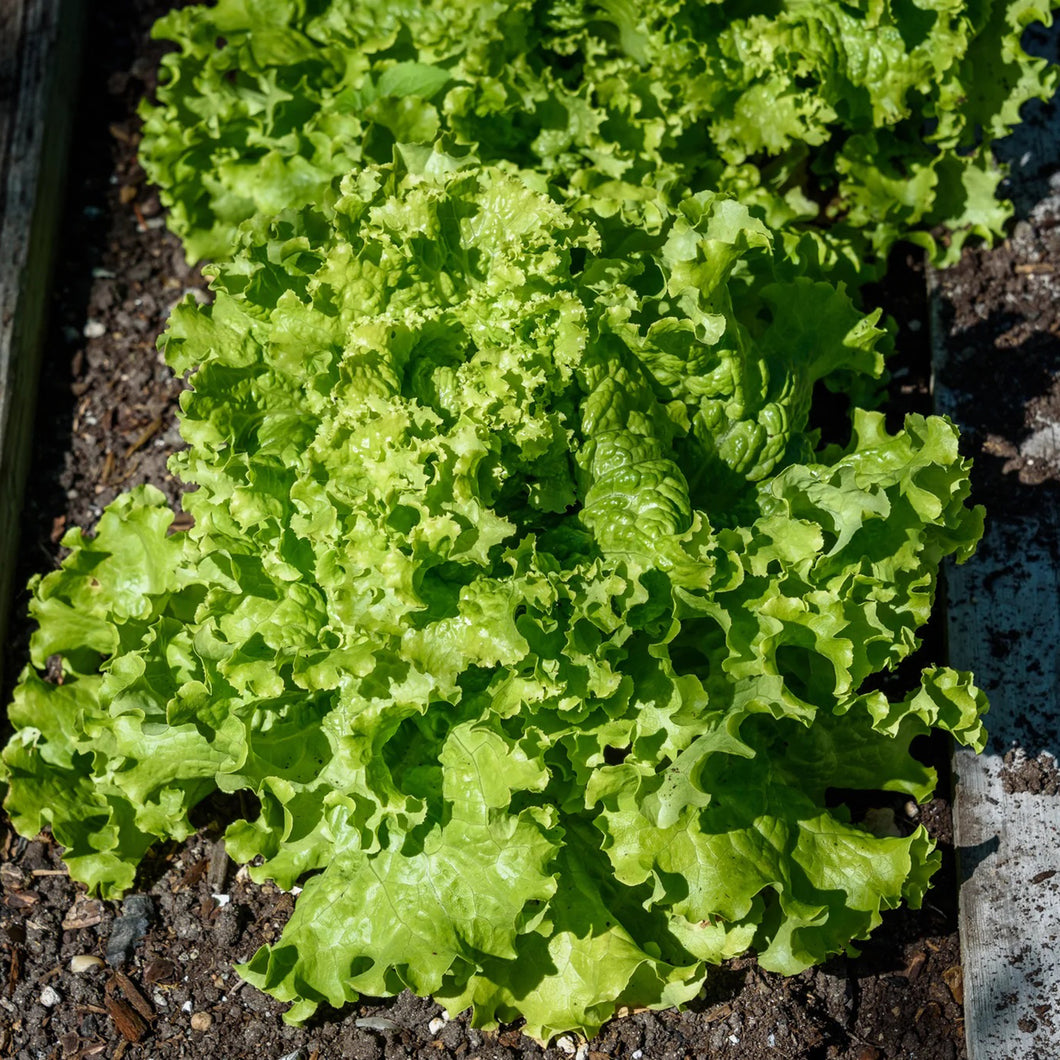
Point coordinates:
[(522, 599), (849, 125)]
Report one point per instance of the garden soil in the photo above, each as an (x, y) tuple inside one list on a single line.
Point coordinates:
[(152, 977)]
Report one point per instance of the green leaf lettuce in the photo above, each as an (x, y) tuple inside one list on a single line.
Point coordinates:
[(523, 599)]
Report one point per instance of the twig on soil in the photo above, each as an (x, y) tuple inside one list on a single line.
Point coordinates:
[(148, 432)]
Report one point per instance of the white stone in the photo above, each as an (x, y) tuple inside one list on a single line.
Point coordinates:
[(84, 962)]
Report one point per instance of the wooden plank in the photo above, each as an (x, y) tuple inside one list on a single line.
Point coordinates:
[(1009, 841), (39, 49), (1004, 624)]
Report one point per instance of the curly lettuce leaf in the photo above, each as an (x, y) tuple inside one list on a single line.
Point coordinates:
[(522, 599), (848, 127)]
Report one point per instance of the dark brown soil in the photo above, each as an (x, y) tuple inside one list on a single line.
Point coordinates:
[(1000, 318), (1000, 308), (106, 422), (1036, 776)]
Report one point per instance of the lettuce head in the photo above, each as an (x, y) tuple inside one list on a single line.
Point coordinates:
[(521, 598)]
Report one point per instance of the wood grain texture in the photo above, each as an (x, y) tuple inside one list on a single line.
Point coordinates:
[(1004, 625), (39, 49)]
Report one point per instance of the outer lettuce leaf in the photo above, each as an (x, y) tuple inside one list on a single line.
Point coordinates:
[(61, 765), (520, 596), (873, 121)]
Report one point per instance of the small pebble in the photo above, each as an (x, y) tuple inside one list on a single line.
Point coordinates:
[(186, 1007), (84, 962), (566, 1045), (377, 1023), (201, 1021), (436, 1025), (298, 1054), (94, 329), (49, 997)]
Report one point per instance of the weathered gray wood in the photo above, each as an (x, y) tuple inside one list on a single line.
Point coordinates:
[(1010, 915), (39, 48), (1004, 624)]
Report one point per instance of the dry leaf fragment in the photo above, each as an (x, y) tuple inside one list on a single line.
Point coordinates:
[(160, 970), (194, 874), (14, 971), (12, 878), (914, 965), (85, 912), (21, 900), (182, 521), (954, 979)]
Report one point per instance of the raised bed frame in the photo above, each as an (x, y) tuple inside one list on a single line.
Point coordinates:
[(1003, 619), (39, 63)]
